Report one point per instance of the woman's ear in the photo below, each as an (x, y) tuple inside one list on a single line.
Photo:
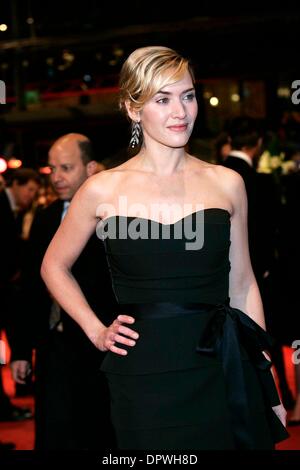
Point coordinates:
[(132, 113)]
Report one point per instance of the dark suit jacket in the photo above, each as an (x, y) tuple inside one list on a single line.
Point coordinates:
[(72, 400), (12, 254), (9, 241)]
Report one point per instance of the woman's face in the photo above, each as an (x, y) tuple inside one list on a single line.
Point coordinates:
[(169, 116)]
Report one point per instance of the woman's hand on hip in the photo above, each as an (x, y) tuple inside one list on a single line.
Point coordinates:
[(117, 332)]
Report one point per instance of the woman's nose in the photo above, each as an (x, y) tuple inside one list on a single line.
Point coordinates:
[(178, 109)]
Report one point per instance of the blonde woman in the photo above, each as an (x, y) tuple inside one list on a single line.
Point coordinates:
[(185, 367)]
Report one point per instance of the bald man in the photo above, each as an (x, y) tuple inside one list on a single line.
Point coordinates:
[(72, 402)]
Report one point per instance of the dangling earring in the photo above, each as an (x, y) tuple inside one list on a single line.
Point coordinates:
[(136, 132)]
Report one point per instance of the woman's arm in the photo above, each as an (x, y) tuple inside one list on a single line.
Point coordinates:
[(243, 290), (65, 247)]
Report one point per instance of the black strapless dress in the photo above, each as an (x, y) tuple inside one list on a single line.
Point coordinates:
[(197, 378)]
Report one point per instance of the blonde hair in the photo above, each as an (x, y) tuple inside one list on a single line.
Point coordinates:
[(146, 71)]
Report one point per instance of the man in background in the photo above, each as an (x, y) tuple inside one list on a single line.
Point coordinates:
[(72, 400)]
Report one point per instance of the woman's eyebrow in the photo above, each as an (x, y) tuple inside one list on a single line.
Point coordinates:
[(161, 92)]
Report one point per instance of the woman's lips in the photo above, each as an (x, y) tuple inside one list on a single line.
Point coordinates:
[(178, 128)]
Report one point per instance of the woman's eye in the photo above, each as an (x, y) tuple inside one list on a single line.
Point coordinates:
[(163, 100), (189, 97)]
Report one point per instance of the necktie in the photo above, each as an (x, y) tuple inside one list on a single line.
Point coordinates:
[(65, 208)]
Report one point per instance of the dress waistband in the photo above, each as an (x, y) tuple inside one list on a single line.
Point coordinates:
[(154, 310), (227, 330)]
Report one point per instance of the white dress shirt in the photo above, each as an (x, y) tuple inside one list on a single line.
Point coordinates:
[(242, 156)]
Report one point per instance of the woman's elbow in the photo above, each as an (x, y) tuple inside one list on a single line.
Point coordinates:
[(48, 266), (45, 268), (53, 268)]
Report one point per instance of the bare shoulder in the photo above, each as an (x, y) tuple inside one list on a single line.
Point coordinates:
[(225, 175), (105, 181), (228, 181), (102, 186), (229, 178), (94, 191), (233, 186)]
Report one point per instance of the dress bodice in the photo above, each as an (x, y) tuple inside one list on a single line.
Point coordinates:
[(187, 261)]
